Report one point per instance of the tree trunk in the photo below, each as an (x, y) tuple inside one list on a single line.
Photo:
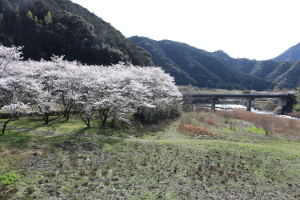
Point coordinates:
[(104, 116), (87, 121), (4, 126), (67, 116), (104, 119), (46, 118), (113, 122)]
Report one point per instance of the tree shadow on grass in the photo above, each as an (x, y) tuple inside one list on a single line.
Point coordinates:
[(30, 122), (15, 139), (98, 132), (76, 143)]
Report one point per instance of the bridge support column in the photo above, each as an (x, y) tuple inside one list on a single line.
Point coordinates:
[(282, 101), (248, 103), (213, 103)]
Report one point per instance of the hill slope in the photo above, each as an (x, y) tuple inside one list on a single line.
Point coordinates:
[(198, 67), (292, 54), (60, 27), (282, 73)]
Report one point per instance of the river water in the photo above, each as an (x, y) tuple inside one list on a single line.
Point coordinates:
[(237, 106)]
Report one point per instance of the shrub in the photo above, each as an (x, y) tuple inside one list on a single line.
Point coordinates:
[(297, 107), (207, 118), (154, 115), (246, 92)]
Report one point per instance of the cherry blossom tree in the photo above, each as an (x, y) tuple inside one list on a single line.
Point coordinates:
[(8, 55), (13, 112), (165, 95), (60, 86), (18, 89), (117, 93), (45, 75), (67, 84)]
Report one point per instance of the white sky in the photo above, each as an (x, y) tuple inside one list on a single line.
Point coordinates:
[(254, 29)]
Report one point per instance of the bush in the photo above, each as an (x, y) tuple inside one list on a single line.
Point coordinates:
[(154, 115), (297, 107), (246, 92)]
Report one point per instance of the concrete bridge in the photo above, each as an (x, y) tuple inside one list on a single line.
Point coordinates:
[(282, 98)]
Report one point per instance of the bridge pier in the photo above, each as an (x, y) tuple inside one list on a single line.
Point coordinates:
[(213, 103), (248, 103), (282, 101)]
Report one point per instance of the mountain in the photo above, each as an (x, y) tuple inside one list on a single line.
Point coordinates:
[(282, 73), (61, 27), (197, 67), (292, 54)]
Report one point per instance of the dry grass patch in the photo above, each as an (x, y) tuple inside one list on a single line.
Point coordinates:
[(5, 151), (270, 124), (195, 130), (36, 152)]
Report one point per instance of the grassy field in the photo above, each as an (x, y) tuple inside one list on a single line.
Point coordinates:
[(202, 155)]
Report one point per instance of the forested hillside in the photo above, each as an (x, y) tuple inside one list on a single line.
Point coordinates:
[(292, 54), (282, 73), (198, 67), (60, 27)]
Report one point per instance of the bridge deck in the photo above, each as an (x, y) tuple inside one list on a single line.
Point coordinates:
[(238, 95)]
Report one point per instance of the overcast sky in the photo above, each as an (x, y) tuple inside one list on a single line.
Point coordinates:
[(254, 29)]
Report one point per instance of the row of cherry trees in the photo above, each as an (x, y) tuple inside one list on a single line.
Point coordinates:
[(58, 85)]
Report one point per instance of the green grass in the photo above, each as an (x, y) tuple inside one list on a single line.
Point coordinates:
[(230, 130), (255, 130), (148, 162), (61, 127)]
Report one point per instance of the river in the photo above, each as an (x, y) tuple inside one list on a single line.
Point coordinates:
[(237, 106)]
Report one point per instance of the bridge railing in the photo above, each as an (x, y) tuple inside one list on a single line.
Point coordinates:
[(257, 95)]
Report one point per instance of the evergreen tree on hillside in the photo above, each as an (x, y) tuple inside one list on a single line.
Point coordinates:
[(60, 27)]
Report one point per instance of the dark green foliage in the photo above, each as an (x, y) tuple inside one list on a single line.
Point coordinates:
[(290, 79), (246, 92), (244, 65), (292, 54), (264, 68), (160, 59), (231, 86), (282, 73), (60, 27), (190, 65), (155, 115)]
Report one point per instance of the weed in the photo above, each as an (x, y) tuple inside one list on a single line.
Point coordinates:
[(7, 192), (9, 178), (74, 160), (94, 170), (30, 190)]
